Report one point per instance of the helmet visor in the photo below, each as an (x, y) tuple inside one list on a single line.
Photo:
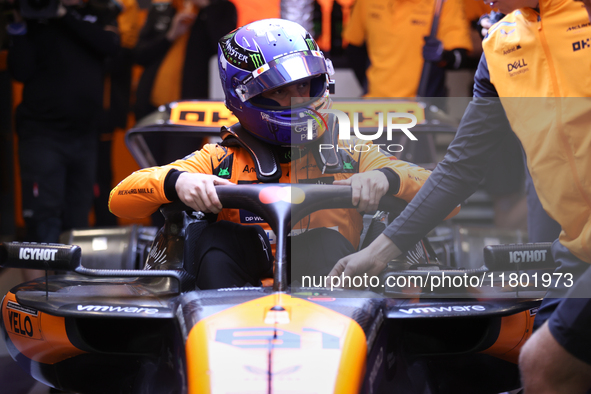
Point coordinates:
[(282, 71)]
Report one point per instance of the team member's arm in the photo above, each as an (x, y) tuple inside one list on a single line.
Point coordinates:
[(22, 55), (587, 4), (354, 32), (152, 44), (450, 49), (354, 35), (102, 36), (189, 180), (219, 18), (481, 130)]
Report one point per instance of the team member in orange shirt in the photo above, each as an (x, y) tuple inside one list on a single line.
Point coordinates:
[(394, 32), (537, 60)]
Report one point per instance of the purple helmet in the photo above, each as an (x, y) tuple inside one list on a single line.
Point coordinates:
[(262, 56)]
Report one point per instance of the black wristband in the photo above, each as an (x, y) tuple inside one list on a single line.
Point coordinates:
[(393, 180), (170, 184), (454, 59)]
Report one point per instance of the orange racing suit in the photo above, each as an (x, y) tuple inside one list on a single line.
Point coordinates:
[(142, 193)]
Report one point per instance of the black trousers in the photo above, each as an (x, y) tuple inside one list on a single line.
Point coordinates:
[(57, 174), (233, 255), (570, 322), (228, 254), (315, 253), (569, 266)]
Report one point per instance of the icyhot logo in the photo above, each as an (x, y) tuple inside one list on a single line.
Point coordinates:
[(37, 254), (528, 256)]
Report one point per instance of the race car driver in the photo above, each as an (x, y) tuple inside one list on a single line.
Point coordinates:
[(537, 60), (288, 66)]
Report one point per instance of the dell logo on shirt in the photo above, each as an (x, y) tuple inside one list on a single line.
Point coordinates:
[(516, 65)]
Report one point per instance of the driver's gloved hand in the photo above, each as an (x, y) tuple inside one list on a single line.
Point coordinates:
[(433, 50)]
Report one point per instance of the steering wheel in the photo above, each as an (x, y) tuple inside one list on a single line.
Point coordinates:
[(281, 204)]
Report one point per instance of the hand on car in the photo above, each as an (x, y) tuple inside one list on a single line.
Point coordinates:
[(368, 188), (198, 192), (371, 261)]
